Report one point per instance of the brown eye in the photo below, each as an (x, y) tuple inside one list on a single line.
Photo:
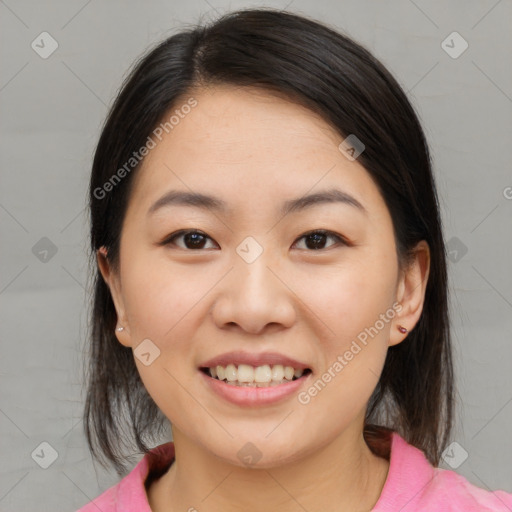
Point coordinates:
[(315, 240), (192, 239)]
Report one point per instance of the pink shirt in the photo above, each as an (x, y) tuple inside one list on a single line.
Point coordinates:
[(412, 484)]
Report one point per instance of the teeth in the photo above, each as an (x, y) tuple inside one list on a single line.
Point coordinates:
[(277, 373), (261, 374), (288, 372), (255, 384), (231, 373), (247, 375)]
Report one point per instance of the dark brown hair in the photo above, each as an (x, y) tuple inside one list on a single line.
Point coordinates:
[(332, 75)]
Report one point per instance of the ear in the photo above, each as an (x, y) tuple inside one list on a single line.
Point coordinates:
[(412, 284), (113, 282)]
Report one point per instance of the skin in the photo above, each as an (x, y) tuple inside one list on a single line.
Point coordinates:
[(255, 150)]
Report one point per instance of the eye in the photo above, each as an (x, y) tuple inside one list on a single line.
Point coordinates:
[(317, 238), (194, 239)]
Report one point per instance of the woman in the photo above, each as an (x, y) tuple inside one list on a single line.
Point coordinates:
[(270, 279)]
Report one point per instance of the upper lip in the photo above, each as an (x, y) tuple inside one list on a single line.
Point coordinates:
[(241, 357)]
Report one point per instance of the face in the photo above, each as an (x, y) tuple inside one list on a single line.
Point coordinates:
[(318, 283)]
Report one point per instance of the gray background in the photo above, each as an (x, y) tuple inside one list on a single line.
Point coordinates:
[(51, 113)]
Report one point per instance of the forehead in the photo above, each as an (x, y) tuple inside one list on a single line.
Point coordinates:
[(249, 146)]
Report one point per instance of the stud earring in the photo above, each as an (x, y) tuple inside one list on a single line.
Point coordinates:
[(119, 329), (402, 329)]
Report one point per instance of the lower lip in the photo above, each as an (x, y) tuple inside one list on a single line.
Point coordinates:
[(253, 397)]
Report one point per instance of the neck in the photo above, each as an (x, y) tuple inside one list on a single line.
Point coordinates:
[(343, 475)]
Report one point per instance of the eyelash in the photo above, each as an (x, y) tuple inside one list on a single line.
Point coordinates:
[(331, 234)]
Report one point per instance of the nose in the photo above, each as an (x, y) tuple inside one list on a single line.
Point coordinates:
[(254, 297)]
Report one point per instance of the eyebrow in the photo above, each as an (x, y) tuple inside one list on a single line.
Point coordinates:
[(206, 202)]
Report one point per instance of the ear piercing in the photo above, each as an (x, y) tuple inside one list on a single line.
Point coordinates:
[(402, 329)]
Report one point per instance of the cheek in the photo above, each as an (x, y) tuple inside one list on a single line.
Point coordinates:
[(356, 306), (354, 345), (166, 305), (162, 305), (350, 298), (160, 297)]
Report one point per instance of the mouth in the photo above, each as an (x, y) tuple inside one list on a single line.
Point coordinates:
[(244, 375)]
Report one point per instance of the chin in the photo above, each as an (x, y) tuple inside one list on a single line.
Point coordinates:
[(260, 453)]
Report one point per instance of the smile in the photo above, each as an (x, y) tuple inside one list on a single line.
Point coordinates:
[(260, 376), (243, 388)]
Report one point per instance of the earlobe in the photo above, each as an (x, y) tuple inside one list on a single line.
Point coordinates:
[(411, 293), (123, 336), (122, 330)]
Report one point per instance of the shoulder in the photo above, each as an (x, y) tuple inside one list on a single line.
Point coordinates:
[(130, 493), (413, 484), (458, 494)]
